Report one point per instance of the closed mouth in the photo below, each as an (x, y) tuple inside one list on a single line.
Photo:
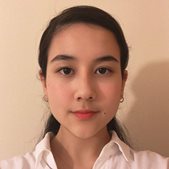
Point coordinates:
[(85, 114)]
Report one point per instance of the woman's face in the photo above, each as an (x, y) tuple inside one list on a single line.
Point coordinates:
[(83, 81)]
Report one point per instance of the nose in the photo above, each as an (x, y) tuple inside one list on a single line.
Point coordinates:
[(85, 90)]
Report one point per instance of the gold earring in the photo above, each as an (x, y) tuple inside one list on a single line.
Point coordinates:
[(122, 99)]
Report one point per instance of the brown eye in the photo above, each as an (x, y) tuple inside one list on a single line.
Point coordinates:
[(66, 71), (103, 71)]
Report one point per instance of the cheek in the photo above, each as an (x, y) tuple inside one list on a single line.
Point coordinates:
[(112, 96), (112, 90), (58, 94), (110, 106)]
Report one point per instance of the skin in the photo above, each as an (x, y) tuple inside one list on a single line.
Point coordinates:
[(83, 73)]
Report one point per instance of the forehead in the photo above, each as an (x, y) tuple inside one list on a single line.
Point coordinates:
[(81, 38)]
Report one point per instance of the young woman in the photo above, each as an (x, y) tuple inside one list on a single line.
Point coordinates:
[(83, 57)]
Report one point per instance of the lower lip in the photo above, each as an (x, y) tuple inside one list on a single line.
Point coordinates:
[(84, 116)]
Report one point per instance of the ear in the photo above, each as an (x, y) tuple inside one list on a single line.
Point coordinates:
[(124, 79), (43, 82)]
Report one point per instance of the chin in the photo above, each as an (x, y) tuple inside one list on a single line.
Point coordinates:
[(87, 133)]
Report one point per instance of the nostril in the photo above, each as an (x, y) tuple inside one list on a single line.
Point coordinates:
[(79, 98), (86, 98), (90, 98)]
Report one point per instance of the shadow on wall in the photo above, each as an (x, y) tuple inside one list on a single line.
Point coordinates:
[(148, 118)]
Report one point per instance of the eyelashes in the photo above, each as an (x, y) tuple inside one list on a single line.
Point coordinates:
[(65, 71), (103, 71), (69, 71)]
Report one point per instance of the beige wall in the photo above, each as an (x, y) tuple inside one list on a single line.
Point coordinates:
[(145, 111)]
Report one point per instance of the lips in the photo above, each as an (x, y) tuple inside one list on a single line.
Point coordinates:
[(85, 114)]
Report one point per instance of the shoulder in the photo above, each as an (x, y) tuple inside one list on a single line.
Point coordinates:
[(27, 161), (32, 160), (140, 159), (149, 159)]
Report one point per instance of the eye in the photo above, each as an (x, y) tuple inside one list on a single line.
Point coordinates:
[(103, 71), (66, 71)]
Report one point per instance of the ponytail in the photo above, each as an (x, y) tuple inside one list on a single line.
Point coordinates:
[(52, 125)]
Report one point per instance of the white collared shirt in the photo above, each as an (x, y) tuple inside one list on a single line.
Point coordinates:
[(114, 155)]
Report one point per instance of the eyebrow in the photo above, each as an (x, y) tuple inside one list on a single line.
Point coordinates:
[(107, 58), (71, 58), (62, 57)]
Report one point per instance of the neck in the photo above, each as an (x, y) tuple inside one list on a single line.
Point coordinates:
[(78, 150)]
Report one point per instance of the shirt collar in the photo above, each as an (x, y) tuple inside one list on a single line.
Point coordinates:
[(113, 147), (124, 148), (43, 150)]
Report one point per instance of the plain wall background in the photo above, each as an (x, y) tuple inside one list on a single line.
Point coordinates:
[(145, 111)]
